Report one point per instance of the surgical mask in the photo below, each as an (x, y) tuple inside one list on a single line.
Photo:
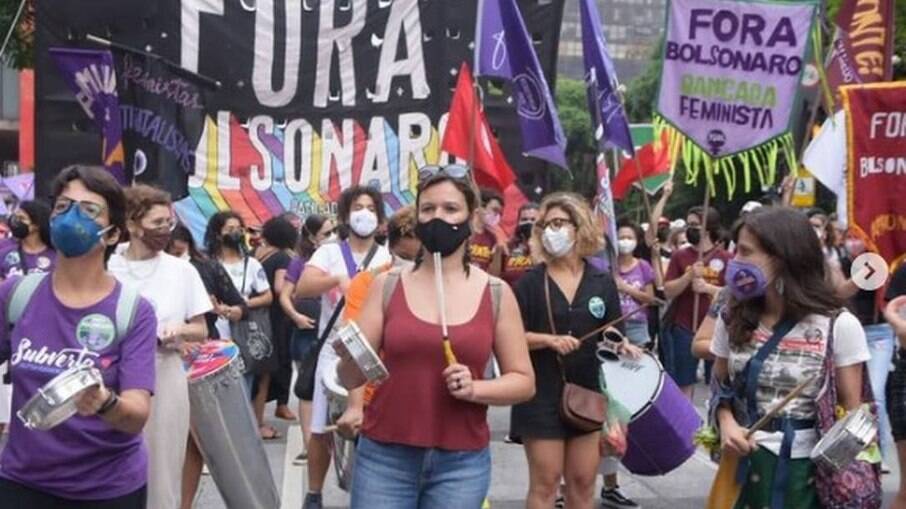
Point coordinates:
[(18, 227), (491, 219), (363, 222), (557, 243), (439, 236), (155, 240), (626, 246), (75, 234), (745, 280)]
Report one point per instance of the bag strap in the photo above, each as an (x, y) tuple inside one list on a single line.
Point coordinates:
[(550, 321), (496, 286), (126, 306), (755, 365), (21, 296), (393, 278), (351, 268), (342, 303), (245, 268)]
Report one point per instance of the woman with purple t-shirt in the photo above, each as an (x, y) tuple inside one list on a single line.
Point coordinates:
[(97, 458), (635, 281)]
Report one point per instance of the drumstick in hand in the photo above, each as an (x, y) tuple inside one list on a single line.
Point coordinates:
[(760, 423), (441, 302), (613, 322)]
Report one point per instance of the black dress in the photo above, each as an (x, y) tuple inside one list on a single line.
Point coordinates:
[(280, 325), (596, 303), (218, 283)]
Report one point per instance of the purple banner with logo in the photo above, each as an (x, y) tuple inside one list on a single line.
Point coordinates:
[(92, 77), (732, 69)]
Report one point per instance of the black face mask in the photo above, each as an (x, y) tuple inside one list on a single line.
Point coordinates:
[(232, 240), (18, 228), (694, 235), (524, 230), (439, 236)]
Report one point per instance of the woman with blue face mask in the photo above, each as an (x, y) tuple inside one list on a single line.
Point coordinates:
[(96, 458), (582, 298), (783, 325)]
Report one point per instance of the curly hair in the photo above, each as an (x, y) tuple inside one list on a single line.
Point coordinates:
[(279, 232), (401, 225), (589, 239), (141, 198), (212, 242)]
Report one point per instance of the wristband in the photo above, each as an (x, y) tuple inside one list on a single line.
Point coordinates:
[(108, 405)]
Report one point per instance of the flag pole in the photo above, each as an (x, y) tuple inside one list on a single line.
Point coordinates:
[(696, 305), (207, 80)]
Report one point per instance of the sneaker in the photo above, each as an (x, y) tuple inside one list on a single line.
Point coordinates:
[(312, 501), (614, 498), (560, 503), (301, 459)]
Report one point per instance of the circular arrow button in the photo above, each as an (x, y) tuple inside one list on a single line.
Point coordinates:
[(869, 271)]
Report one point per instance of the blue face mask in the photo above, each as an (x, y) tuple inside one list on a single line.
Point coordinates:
[(73, 233)]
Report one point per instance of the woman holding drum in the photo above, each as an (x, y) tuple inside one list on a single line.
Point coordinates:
[(180, 301), (439, 455), (96, 459), (783, 326), (581, 299)]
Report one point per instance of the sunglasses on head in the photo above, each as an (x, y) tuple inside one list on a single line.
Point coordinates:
[(456, 171)]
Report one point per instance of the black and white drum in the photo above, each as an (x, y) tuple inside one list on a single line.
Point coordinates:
[(362, 354), (56, 400), (845, 440)]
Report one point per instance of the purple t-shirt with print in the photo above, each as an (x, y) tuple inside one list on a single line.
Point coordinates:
[(83, 458), (637, 277), (294, 271), (11, 262)]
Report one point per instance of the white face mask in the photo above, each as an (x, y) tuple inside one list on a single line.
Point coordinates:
[(557, 242), (363, 222), (626, 246), (185, 256), (328, 239)]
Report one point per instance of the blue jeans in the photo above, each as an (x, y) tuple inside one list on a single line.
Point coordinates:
[(679, 362), (392, 476), (637, 332), (881, 344)]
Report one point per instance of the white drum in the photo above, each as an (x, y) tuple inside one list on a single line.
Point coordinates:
[(56, 401), (343, 447)]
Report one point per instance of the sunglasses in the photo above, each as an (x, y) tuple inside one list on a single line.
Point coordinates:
[(89, 208), (456, 171)]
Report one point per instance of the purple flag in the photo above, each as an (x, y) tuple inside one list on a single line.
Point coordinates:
[(92, 77), (611, 126), (22, 186), (503, 49)]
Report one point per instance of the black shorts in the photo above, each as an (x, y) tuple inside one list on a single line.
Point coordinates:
[(18, 496), (896, 397)]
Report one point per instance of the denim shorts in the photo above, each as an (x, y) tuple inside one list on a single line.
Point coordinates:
[(637, 332), (393, 476)]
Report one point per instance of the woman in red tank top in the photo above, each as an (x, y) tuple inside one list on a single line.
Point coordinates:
[(424, 441)]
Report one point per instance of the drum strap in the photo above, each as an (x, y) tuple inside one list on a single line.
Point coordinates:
[(21, 295), (393, 278)]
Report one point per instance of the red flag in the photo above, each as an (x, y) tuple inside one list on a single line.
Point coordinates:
[(653, 159), (489, 165)]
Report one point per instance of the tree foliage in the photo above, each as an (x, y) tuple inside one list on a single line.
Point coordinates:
[(19, 53), (580, 144)]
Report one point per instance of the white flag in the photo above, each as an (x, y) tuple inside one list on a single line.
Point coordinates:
[(825, 158)]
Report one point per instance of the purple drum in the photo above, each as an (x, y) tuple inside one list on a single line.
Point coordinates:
[(663, 419)]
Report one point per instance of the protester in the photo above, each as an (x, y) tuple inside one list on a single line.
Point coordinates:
[(895, 314), (303, 313), (486, 246), (635, 281), (582, 298), (826, 233), (180, 300), (782, 305), (327, 274), (450, 428), (275, 252), (519, 252), (689, 280), (225, 243), (96, 458), (31, 250)]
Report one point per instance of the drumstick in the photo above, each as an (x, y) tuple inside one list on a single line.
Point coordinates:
[(760, 423), (613, 322), (441, 302)]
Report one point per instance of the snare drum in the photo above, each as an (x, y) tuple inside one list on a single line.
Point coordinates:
[(343, 448), (663, 421), (362, 354), (56, 400)]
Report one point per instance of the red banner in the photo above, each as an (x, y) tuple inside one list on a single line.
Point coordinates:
[(876, 136), (862, 50)]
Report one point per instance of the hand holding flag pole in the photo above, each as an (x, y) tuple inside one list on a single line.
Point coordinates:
[(441, 303)]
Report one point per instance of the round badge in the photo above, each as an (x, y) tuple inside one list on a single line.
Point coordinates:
[(43, 262), (95, 332), (716, 265), (745, 282), (596, 307), (12, 258)]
